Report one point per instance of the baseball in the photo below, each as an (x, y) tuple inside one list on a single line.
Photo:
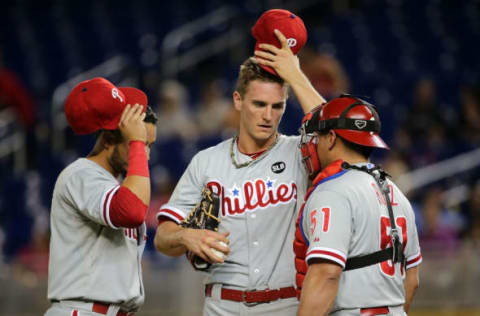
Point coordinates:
[(219, 253)]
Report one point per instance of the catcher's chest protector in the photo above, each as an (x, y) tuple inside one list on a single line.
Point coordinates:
[(300, 249)]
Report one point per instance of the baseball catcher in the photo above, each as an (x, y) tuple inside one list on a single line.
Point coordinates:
[(203, 216)]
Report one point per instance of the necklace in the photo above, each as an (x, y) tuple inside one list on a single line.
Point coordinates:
[(241, 165)]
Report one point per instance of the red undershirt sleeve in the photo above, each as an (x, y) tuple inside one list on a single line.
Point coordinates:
[(126, 209)]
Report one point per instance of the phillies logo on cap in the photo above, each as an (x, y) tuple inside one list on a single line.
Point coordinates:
[(289, 24), (98, 104), (291, 42), (115, 94)]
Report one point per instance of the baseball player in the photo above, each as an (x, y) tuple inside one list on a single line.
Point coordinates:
[(97, 223), (356, 239), (259, 178)]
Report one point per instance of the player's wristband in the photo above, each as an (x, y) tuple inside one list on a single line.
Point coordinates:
[(137, 159)]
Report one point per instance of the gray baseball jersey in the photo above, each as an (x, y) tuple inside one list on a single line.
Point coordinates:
[(258, 207), (90, 258), (346, 216)]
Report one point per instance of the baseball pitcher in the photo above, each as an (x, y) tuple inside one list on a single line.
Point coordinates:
[(259, 180)]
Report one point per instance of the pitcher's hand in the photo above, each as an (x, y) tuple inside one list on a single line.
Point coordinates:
[(285, 63)]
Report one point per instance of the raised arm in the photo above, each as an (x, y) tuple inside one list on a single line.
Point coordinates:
[(287, 66), (129, 204), (134, 131)]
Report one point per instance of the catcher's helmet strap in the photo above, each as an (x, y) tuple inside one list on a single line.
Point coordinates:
[(350, 124), (368, 105)]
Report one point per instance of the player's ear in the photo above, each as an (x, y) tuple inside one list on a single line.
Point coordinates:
[(332, 139), (237, 100)]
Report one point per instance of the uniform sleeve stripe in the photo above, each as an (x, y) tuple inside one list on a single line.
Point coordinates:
[(105, 197), (332, 250), (340, 261), (329, 254), (179, 212), (414, 257), (106, 206), (172, 214), (414, 261)]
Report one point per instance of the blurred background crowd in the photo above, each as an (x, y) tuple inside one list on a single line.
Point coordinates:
[(417, 60)]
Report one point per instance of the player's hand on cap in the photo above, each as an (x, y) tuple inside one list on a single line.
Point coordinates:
[(207, 244), (131, 123), (285, 63)]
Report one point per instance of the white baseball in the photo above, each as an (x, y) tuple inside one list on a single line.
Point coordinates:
[(219, 253)]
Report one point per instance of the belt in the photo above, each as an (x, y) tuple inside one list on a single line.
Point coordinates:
[(262, 296), (97, 307), (372, 311), (101, 308)]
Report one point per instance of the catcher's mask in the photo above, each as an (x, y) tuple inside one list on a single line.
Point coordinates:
[(308, 143), (352, 118)]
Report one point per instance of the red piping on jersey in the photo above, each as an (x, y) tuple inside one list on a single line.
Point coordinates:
[(300, 244), (413, 261), (256, 155), (105, 203), (252, 155), (168, 211), (126, 209)]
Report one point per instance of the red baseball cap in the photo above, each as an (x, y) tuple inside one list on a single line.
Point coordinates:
[(289, 24), (97, 104)]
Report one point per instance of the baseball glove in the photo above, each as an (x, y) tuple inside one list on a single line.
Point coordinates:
[(203, 216)]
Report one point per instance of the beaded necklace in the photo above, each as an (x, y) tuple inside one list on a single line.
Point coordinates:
[(241, 165)]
